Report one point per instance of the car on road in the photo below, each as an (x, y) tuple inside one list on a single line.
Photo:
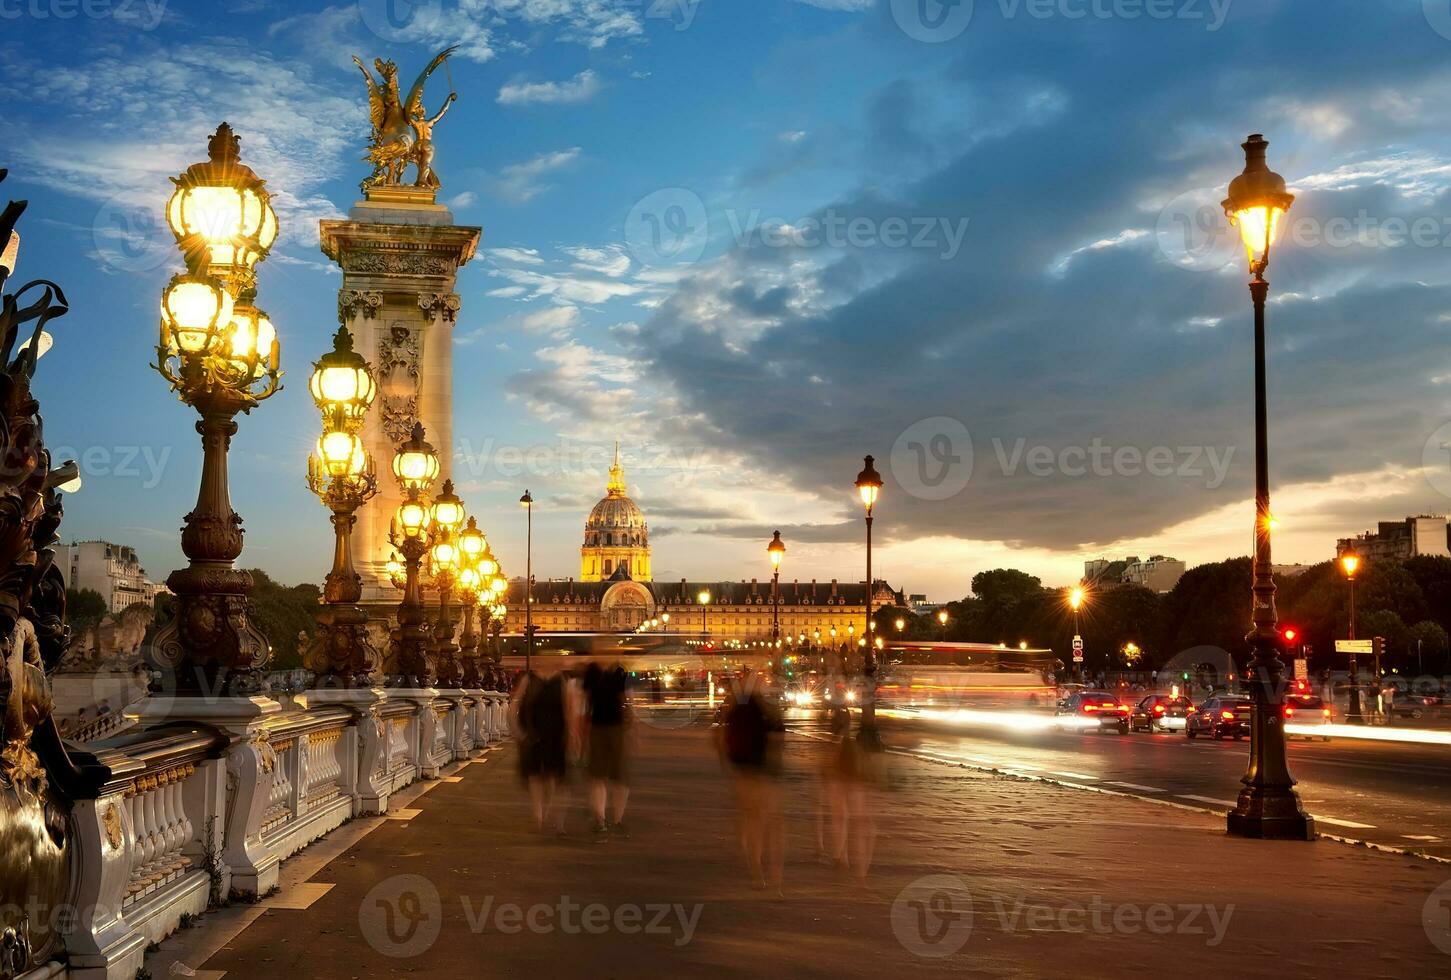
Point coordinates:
[(1160, 712), (1220, 716), (1094, 711), (1306, 709)]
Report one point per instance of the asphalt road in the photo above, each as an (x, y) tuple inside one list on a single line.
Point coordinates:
[(1390, 794)]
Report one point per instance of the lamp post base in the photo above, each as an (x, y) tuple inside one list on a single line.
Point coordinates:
[(1265, 816)]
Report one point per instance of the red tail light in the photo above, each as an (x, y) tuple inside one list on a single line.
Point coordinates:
[(1227, 715), (1158, 709), (1289, 711), (1327, 712)]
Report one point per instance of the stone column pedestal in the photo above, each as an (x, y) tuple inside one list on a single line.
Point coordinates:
[(400, 254)]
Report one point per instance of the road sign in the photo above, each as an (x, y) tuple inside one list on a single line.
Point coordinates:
[(1078, 656), (1078, 643), (1354, 646), (1302, 669)]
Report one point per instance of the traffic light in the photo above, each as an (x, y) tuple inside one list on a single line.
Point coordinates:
[(1291, 634), (1378, 646)]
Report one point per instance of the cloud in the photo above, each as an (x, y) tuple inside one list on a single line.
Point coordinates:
[(1063, 323), (583, 87), (481, 29), (553, 320), (520, 183)]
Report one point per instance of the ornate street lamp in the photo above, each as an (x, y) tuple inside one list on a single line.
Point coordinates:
[(446, 518), (470, 586), (869, 487), (1268, 806), (220, 355), (341, 473), (416, 466), (777, 551), (1350, 564), (703, 597)]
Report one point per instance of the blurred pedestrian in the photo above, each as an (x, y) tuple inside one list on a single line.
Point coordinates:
[(540, 716), (608, 721), (750, 745)]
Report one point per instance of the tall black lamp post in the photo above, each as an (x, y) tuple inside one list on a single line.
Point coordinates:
[(1350, 564), (1268, 805), (869, 487), (527, 502), (777, 551)]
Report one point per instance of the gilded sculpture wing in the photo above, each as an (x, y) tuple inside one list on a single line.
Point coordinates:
[(415, 94), (376, 110)]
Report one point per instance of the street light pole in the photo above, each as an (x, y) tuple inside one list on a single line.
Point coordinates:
[(869, 487), (1350, 562), (777, 551), (219, 353), (1268, 806), (528, 501)]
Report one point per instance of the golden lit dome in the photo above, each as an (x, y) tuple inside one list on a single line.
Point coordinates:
[(616, 537)]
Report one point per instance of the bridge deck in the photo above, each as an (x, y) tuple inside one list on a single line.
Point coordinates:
[(457, 883)]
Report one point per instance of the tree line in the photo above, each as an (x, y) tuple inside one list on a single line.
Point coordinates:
[(1126, 626)]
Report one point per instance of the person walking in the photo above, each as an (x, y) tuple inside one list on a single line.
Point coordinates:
[(537, 716), (750, 745), (608, 721)]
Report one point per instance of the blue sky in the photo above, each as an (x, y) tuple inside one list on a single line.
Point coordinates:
[(755, 239)]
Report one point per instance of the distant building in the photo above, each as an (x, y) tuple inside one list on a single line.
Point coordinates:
[(113, 570), (1422, 535), (737, 610), (1158, 573), (1289, 571)]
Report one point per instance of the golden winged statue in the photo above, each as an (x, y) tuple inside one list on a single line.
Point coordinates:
[(402, 131)]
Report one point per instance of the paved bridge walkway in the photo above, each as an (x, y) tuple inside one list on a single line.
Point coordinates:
[(975, 874)]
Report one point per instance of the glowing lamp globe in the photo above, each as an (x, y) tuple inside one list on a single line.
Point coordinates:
[(224, 206), (415, 464), (776, 550), (448, 509), (869, 484), (413, 518), (471, 541), (1257, 201), (444, 555), (250, 343), (342, 384), (195, 313), (342, 454)]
